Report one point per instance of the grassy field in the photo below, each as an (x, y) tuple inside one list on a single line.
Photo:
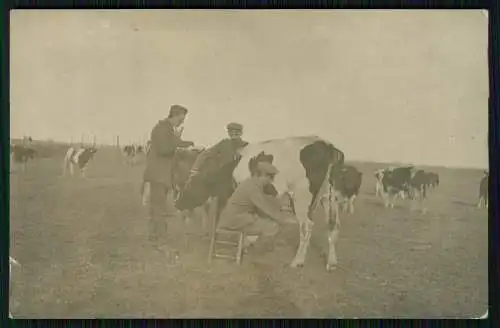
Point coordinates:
[(83, 249)]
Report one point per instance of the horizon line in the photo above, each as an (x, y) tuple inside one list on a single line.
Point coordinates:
[(354, 160)]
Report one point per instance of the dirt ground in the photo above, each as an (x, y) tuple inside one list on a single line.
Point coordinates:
[(83, 249)]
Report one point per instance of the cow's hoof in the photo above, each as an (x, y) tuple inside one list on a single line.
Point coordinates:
[(297, 265), (331, 267)]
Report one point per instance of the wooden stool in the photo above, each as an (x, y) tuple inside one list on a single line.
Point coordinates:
[(214, 240)]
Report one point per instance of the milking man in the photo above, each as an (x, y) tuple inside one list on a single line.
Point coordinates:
[(225, 150), (249, 209), (165, 139)]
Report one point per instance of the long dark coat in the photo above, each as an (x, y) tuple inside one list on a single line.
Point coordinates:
[(161, 156)]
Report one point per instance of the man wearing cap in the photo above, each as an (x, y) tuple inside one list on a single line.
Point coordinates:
[(225, 150), (250, 210), (165, 139)]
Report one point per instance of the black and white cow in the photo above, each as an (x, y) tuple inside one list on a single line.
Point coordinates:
[(307, 168), (79, 157), (132, 153), (483, 191), (379, 189), (395, 182), (22, 154), (347, 184)]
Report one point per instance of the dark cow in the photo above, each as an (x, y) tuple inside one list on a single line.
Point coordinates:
[(395, 182), (307, 166), (347, 184), (80, 157), (483, 191), (432, 180), (22, 154), (183, 161)]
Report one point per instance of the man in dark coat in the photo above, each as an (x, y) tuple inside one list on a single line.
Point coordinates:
[(165, 139)]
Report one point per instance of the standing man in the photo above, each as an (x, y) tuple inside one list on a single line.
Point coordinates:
[(225, 150), (165, 139)]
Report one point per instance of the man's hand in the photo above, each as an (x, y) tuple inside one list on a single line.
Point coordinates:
[(178, 133)]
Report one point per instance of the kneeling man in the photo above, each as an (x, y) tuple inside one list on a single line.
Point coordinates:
[(251, 210)]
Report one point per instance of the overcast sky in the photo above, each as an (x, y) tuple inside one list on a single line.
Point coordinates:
[(406, 86)]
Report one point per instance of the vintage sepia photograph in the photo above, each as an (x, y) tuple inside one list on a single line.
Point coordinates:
[(249, 164)]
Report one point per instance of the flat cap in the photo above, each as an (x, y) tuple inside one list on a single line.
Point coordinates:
[(234, 127), (268, 168), (177, 109)]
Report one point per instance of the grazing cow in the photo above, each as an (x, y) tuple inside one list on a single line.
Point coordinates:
[(379, 174), (22, 154), (307, 168), (483, 191), (347, 184), (80, 157), (396, 182), (131, 153)]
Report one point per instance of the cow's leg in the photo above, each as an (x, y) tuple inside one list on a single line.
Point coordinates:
[(393, 200), (422, 192), (351, 204), (385, 196), (345, 204), (65, 164), (82, 171), (71, 169), (146, 193), (331, 208), (413, 198), (302, 199)]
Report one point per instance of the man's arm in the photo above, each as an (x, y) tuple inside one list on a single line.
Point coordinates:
[(165, 142), (269, 205)]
